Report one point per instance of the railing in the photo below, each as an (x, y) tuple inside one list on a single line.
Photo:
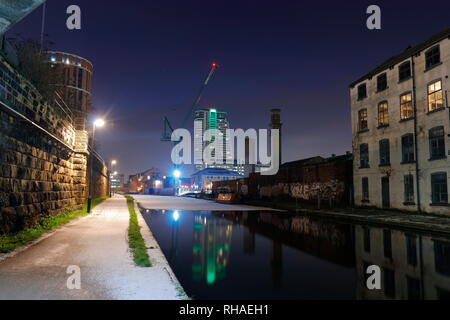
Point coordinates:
[(20, 95)]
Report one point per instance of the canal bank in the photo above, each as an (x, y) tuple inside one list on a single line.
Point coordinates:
[(391, 218)]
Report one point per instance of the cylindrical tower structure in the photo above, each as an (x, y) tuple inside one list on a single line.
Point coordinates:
[(74, 84)]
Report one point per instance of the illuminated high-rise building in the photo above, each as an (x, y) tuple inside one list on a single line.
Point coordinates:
[(212, 118)]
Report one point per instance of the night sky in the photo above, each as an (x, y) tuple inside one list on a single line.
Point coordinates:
[(150, 58)]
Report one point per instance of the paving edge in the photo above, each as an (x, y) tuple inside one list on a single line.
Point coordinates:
[(44, 236), (154, 252), (410, 225)]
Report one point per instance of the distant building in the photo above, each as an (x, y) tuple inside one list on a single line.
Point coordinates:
[(117, 181), (139, 182), (203, 180), (206, 119), (401, 127)]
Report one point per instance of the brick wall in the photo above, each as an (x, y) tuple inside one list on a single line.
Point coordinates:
[(329, 178)]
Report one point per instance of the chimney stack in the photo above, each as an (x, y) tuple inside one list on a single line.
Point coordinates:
[(275, 123)]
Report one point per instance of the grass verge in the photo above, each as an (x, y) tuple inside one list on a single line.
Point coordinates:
[(136, 242), (10, 242)]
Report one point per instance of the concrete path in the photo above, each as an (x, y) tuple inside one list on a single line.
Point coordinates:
[(98, 245), (180, 203)]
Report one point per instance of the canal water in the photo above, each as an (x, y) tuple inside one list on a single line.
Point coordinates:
[(267, 255)]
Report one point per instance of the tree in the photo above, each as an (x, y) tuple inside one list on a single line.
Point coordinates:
[(34, 66)]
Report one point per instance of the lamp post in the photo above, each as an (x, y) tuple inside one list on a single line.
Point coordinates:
[(97, 124), (177, 176)]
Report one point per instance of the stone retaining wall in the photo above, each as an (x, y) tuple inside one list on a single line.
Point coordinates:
[(38, 177)]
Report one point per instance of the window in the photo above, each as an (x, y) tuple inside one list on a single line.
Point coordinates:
[(411, 250), (362, 91), (414, 292), (366, 239), (433, 57), (409, 188), (383, 114), (382, 82), (406, 106), (385, 153), (442, 257), (364, 155), (439, 193), (437, 143), (389, 283), (404, 71), (408, 148), (362, 120), (435, 100), (365, 189), (387, 241)]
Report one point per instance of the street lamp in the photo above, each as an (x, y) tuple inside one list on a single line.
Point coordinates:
[(177, 176), (99, 123)]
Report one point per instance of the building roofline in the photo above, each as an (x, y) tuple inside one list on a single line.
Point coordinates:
[(409, 52), (73, 55)]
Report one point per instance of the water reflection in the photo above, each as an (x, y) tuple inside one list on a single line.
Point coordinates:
[(266, 255), (414, 266), (210, 248)]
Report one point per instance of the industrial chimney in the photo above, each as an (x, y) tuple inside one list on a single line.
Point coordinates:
[(275, 123)]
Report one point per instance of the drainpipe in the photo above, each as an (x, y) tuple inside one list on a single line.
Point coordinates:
[(416, 147)]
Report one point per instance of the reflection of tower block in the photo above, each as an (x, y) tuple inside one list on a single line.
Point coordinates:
[(275, 123)]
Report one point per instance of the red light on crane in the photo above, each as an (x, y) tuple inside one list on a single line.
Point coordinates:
[(214, 65)]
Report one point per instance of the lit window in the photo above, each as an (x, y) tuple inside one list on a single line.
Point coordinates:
[(406, 106), (435, 100), (362, 120), (53, 59), (383, 114)]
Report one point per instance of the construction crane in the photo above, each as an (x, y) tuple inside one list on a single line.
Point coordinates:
[(168, 129)]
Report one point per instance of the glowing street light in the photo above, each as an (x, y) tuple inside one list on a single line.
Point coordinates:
[(98, 123), (177, 174)]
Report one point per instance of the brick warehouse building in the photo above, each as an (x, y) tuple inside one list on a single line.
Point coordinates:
[(400, 125), (304, 180)]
